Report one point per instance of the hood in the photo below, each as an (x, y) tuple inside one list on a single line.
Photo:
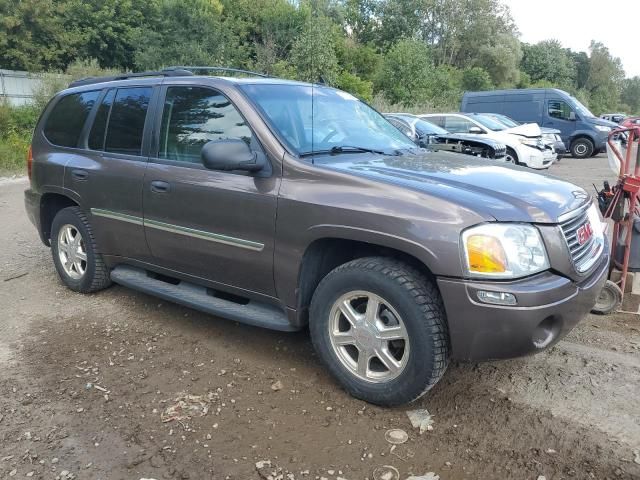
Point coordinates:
[(600, 121), (486, 187), (529, 130)]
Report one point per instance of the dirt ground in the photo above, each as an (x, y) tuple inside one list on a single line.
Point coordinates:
[(85, 379)]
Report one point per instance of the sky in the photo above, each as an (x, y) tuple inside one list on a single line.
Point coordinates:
[(576, 22)]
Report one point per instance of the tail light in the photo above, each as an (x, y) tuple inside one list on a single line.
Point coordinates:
[(29, 161)]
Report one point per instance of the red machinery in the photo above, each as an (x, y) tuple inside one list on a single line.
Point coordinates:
[(622, 205)]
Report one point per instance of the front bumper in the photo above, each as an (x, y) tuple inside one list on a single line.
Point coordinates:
[(534, 158), (549, 306), (560, 148)]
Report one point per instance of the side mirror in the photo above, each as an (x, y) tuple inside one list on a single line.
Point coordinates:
[(476, 130), (572, 116), (230, 154)]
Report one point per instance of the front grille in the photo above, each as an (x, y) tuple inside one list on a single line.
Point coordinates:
[(583, 256), (500, 150)]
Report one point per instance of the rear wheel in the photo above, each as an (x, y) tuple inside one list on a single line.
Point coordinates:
[(582, 148), (379, 326), (74, 252)]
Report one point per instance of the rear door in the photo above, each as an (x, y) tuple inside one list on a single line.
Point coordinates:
[(109, 174), (215, 225)]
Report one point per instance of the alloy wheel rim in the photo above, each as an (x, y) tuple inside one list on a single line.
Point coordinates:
[(72, 252), (581, 149), (368, 336)]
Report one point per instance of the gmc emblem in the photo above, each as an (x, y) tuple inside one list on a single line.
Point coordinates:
[(584, 233)]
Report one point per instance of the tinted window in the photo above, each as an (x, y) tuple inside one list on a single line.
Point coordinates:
[(558, 109), (96, 136), (126, 122), (193, 116), (67, 118)]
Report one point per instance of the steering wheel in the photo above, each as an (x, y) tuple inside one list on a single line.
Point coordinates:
[(329, 136)]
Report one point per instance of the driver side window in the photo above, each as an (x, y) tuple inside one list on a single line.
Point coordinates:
[(193, 116), (559, 109)]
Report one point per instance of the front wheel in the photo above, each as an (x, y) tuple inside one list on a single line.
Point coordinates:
[(582, 148), (511, 156), (379, 326)]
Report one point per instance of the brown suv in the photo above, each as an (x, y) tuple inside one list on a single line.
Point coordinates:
[(285, 205)]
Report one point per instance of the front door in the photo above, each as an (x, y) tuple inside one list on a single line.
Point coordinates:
[(215, 225), (558, 115)]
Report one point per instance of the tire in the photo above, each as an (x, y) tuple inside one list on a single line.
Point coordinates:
[(511, 157), (408, 299), (609, 299), (582, 148), (85, 276)]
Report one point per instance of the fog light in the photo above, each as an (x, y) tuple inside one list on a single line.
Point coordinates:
[(497, 298)]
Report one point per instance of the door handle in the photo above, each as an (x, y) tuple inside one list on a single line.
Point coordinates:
[(79, 174), (158, 186)]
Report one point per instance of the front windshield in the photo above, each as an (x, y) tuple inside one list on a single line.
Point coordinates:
[(317, 119), (581, 109), (509, 122), (490, 123), (427, 128)]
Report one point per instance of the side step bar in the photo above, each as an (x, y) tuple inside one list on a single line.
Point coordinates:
[(203, 299)]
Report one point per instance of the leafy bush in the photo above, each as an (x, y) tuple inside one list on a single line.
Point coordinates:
[(355, 85)]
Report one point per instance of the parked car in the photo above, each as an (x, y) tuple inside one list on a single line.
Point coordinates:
[(427, 135), (284, 205), (550, 136), (613, 117), (583, 134), (524, 143)]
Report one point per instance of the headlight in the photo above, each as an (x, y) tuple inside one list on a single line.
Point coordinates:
[(529, 142), (503, 250), (602, 128)]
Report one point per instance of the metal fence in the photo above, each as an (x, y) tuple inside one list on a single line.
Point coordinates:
[(18, 88)]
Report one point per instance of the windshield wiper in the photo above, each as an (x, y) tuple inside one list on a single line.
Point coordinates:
[(338, 149)]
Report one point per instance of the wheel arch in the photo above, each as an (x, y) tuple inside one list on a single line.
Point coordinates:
[(50, 204), (324, 254)]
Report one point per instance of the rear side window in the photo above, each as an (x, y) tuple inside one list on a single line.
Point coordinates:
[(126, 120), (96, 136), (65, 122)]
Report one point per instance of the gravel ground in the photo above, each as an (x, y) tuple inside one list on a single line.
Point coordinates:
[(88, 380)]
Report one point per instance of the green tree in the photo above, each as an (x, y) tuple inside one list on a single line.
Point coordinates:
[(500, 59), (405, 72), (190, 33), (548, 61), (313, 53), (33, 35), (605, 79), (476, 79), (109, 28), (631, 94), (353, 84)]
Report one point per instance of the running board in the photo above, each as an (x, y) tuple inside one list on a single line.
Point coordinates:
[(202, 298)]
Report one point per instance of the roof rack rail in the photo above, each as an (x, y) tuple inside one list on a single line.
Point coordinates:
[(173, 72), (197, 69)]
